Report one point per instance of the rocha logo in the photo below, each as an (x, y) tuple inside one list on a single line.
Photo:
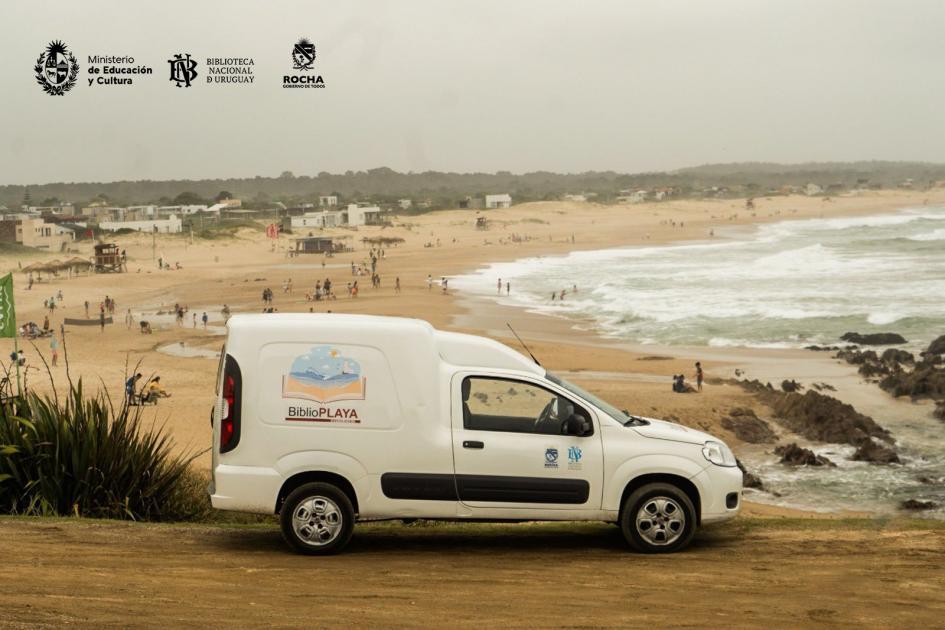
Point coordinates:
[(183, 69), (56, 69), (303, 55)]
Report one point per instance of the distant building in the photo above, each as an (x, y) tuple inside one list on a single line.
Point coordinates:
[(323, 219), (184, 210), (813, 189), (577, 198), (499, 201), (327, 201), (62, 208), (36, 233), (404, 203), (315, 245), (632, 196), (170, 225), (362, 215)]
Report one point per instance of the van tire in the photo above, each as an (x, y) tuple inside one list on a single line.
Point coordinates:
[(665, 513), (330, 512)]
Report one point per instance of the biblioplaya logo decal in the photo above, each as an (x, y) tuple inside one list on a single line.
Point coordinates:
[(56, 69), (303, 59), (324, 375)]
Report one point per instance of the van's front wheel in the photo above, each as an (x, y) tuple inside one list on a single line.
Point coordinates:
[(317, 519), (658, 518)]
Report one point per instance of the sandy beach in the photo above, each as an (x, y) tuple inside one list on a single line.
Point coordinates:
[(234, 271)]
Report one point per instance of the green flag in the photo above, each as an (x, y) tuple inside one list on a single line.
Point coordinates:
[(7, 312)]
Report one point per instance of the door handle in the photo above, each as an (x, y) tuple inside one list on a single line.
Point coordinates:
[(473, 444)]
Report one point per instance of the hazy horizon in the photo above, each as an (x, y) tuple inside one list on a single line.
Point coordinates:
[(628, 87)]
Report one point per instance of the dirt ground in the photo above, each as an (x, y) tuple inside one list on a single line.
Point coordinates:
[(752, 572)]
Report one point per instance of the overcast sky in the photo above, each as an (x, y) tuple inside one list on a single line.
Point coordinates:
[(517, 85)]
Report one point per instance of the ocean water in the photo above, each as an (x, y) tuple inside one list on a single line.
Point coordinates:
[(785, 284), (780, 285)]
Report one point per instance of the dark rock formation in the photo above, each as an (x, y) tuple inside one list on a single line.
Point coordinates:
[(749, 480), (871, 369), (937, 346), (817, 348), (873, 339), (874, 453), (895, 355), (924, 381), (824, 387), (748, 427), (794, 455), (916, 505), (824, 419), (858, 357)]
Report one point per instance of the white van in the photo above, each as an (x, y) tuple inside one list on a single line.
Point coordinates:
[(327, 419)]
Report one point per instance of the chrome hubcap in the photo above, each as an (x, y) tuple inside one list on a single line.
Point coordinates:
[(661, 521), (317, 521)]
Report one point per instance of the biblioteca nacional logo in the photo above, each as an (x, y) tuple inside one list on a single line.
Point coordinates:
[(183, 69), (56, 69), (303, 58)]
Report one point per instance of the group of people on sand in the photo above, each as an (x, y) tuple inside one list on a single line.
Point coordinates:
[(680, 386), (149, 393)]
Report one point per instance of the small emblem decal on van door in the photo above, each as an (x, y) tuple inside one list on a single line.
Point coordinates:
[(551, 458), (324, 375)]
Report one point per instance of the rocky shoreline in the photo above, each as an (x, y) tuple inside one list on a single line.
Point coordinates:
[(818, 417)]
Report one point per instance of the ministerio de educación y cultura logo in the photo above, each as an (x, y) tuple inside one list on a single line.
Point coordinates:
[(56, 69)]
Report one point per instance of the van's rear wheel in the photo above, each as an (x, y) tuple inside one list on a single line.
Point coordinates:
[(317, 519), (658, 518)]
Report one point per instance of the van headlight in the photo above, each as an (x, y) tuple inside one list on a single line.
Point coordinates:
[(718, 454)]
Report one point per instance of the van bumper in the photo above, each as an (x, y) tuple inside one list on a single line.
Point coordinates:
[(245, 489), (720, 489)]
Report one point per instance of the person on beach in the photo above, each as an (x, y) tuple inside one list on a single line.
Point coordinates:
[(131, 384), (54, 349), (508, 287), (699, 375), (225, 312), (429, 282), (205, 319), (156, 390), (101, 318), (498, 287), (397, 284), (194, 318)]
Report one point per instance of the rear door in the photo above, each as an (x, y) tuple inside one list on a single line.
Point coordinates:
[(510, 449)]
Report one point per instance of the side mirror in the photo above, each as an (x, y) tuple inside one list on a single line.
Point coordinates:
[(578, 425)]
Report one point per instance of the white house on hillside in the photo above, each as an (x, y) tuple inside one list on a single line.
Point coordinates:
[(327, 201), (363, 215), (170, 225), (499, 201)]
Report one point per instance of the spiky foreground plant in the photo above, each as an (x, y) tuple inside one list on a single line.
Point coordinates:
[(84, 457)]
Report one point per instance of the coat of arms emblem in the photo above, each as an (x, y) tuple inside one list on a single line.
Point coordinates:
[(56, 69)]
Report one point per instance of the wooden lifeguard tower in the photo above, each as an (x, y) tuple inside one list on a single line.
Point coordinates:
[(108, 259)]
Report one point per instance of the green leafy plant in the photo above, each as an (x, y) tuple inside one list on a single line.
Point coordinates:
[(85, 457)]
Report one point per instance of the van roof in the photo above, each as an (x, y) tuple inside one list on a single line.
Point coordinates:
[(384, 332)]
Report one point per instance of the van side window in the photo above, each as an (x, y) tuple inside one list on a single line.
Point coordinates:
[(498, 404)]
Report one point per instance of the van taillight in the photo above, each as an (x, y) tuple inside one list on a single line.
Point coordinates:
[(232, 388)]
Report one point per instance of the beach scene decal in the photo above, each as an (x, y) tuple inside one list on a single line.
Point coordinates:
[(324, 374)]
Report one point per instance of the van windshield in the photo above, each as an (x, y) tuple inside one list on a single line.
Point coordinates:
[(603, 405)]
